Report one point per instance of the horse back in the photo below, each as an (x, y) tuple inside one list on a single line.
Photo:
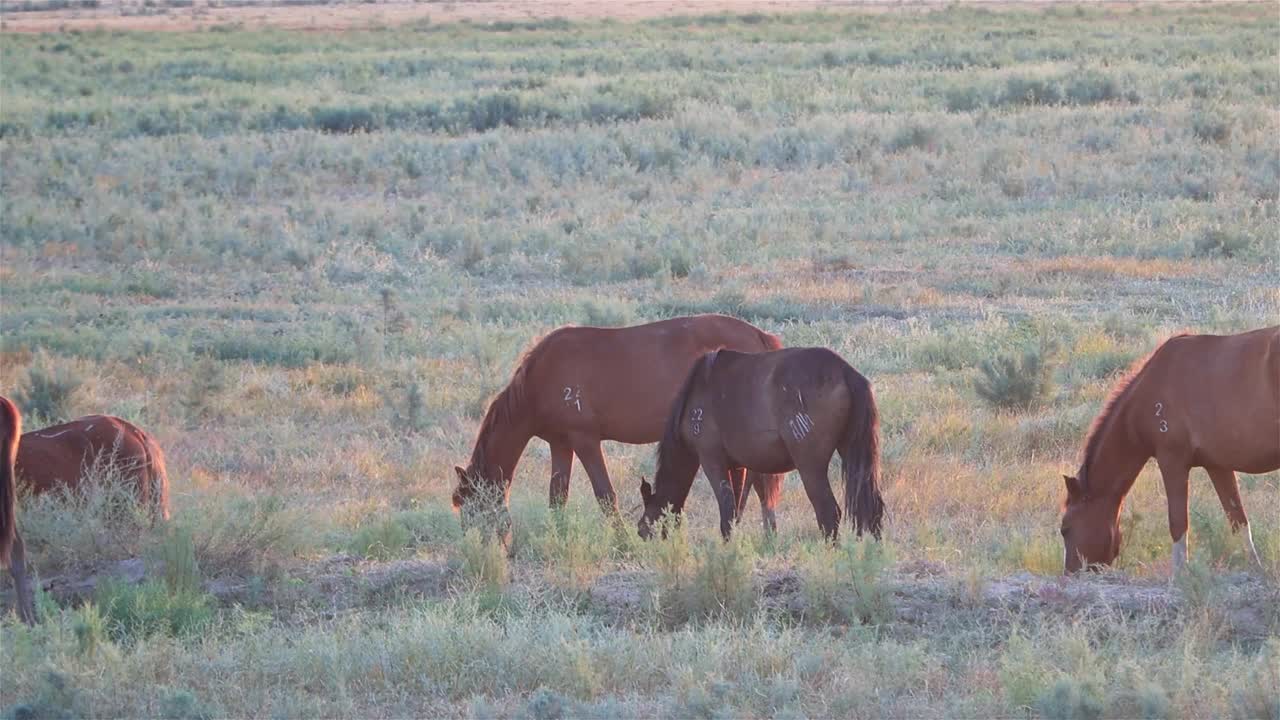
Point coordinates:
[(1218, 394), (55, 456)]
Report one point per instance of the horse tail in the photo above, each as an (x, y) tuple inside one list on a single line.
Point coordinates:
[(860, 458), (10, 429), (769, 340), (156, 475)]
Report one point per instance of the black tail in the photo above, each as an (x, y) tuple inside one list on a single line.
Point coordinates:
[(10, 429), (860, 458)]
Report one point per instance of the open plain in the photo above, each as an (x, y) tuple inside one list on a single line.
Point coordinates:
[(305, 260)]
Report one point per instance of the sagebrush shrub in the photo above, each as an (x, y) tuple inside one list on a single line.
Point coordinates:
[(1011, 381), (49, 390)]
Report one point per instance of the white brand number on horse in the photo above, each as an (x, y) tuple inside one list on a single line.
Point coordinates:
[(800, 425), (573, 396), (1164, 425), (696, 416)]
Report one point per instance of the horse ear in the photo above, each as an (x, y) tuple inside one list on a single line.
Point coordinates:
[(1074, 490), (462, 474), (646, 490)]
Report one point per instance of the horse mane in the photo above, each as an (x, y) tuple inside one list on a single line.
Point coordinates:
[(509, 402), (1114, 401), (671, 449)]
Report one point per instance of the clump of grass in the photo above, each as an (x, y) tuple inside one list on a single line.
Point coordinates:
[(1216, 242), (90, 629), (1070, 700), (137, 612), (207, 382), (1021, 90), (722, 587), (1013, 382), (549, 705), (381, 540), (1256, 697), (913, 135), (177, 552), (237, 535), (484, 562), (56, 698), (1208, 125), (184, 705), (573, 547), (407, 403), (845, 584), (1022, 675), (49, 391)]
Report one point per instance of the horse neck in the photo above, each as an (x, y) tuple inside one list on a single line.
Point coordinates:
[(1117, 459), (677, 466), (498, 448)]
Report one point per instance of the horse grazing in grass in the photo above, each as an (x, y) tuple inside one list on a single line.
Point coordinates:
[(771, 412), (59, 456), (12, 550), (1199, 400), (581, 385)]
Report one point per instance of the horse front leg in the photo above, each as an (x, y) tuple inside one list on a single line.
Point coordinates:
[(738, 482), (561, 470), (1224, 481), (720, 478), (1174, 474)]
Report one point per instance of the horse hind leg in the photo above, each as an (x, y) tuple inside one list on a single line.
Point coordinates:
[(741, 489), (21, 581), (561, 471), (768, 489), (825, 506), (1224, 481), (589, 453)]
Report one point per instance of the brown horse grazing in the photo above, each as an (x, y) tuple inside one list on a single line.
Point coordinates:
[(581, 385), (1210, 401), (57, 457), (13, 551), (772, 412)]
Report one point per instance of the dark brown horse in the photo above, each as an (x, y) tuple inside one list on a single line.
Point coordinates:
[(581, 385), (1206, 401), (12, 550), (772, 412), (61, 456)]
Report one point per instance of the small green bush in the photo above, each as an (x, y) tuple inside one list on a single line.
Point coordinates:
[(136, 612), (1020, 90), (483, 560), (1211, 126), (1069, 700), (1215, 242), (1015, 382), (381, 540), (913, 135), (50, 389), (56, 699)]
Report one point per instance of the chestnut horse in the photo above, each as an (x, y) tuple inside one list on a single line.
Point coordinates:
[(12, 550), (581, 385), (59, 456), (1210, 401), (772, 412)]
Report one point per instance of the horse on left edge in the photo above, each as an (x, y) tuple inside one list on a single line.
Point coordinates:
[(12, 550), (58, 456)]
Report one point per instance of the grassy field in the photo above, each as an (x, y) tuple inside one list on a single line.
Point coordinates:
[(305, 261)]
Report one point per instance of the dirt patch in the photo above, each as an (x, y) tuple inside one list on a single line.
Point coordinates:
[(926, 600), (132, 15)]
